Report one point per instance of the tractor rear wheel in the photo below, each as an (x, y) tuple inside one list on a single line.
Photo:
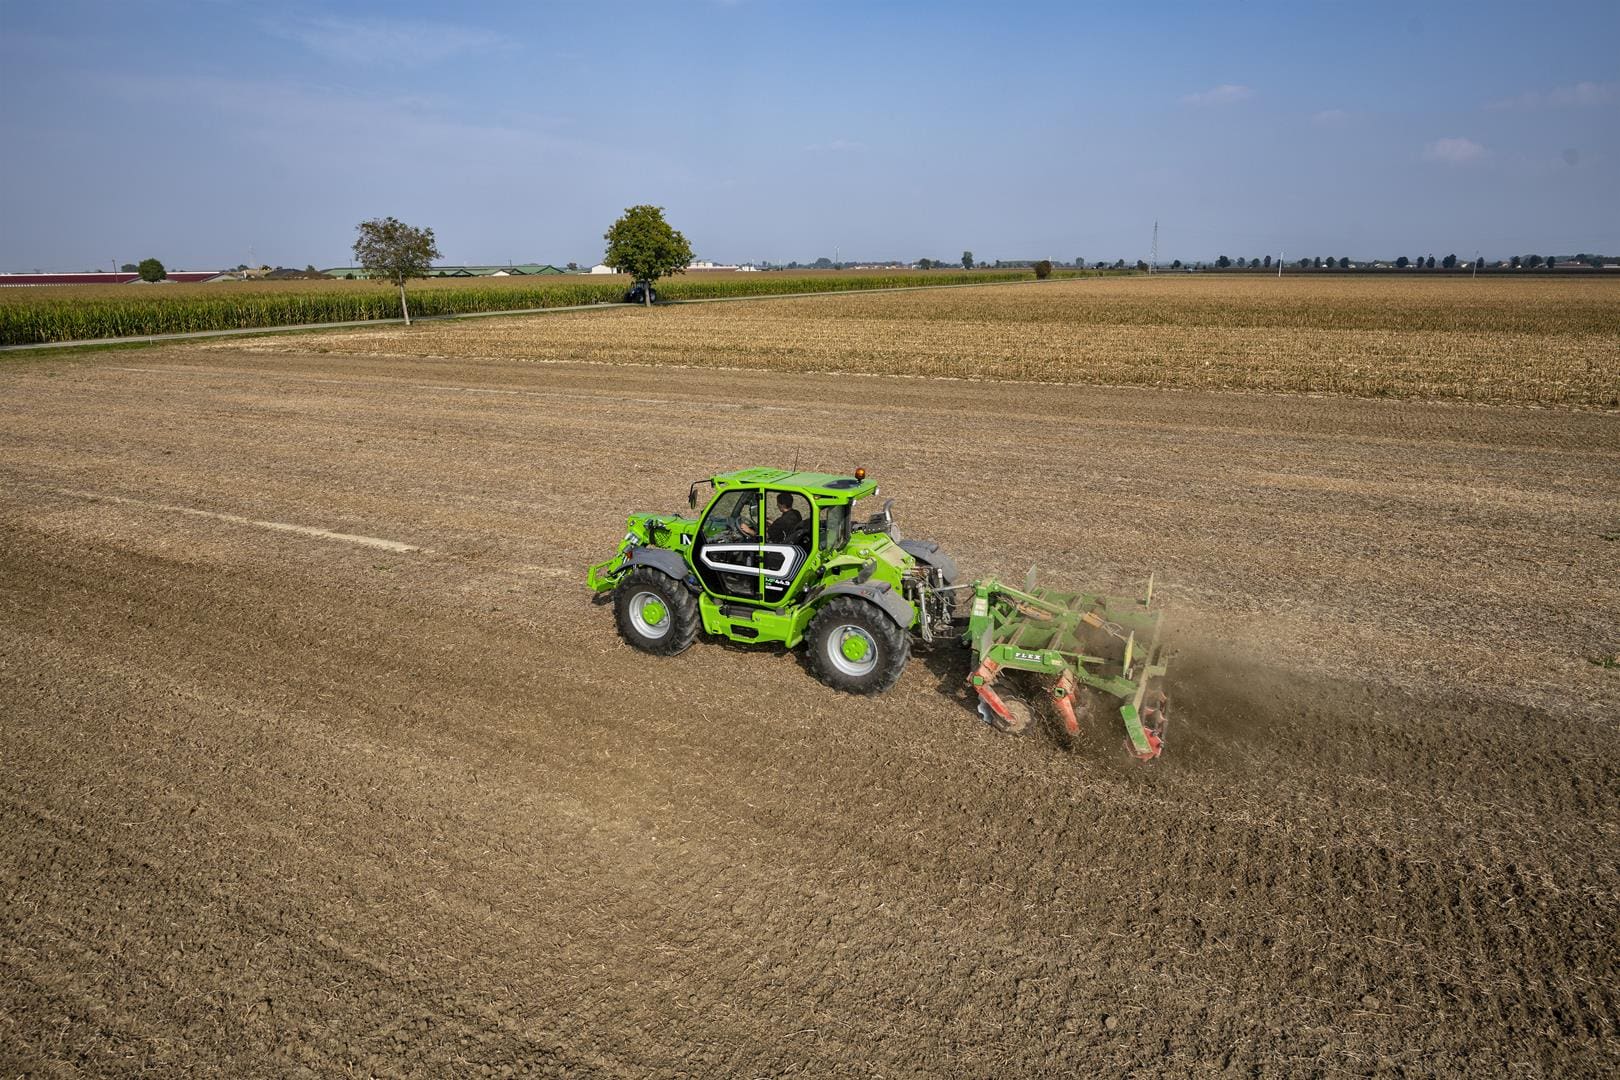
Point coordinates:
[(855, 647), (655, 613)]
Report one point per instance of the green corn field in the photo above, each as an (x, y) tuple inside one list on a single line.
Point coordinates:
[(38, 316)]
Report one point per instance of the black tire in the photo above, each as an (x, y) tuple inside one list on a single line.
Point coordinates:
[(845, 617), (664, 630)]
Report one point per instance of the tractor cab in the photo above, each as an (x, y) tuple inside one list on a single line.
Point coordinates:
[(766, 531)]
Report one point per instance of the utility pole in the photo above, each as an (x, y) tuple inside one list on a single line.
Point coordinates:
[(1280, 255), (1153, 258), (1475, 272)]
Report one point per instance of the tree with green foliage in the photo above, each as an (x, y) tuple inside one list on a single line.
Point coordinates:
[(390, 249), (925, 264), (1223, 262), (1534, 261), (1514, 262), (967, 260), (1401, 263), (643, 245), (1552, 260), (130, 268), (1449, 262), (151, 270), (1043, 269)]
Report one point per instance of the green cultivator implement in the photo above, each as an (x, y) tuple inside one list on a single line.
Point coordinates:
[(775, 556), (1082, 642)]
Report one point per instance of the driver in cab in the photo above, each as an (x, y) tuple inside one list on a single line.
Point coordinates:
[(787, 521)]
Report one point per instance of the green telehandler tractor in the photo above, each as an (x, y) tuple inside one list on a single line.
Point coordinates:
[(776, 556)]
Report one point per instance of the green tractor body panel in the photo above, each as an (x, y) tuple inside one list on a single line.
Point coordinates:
[(758, 580)]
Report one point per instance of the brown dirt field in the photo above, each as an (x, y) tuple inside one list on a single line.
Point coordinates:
[(277, 804)]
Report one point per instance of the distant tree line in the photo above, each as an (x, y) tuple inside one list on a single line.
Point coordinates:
[(1420, 262)]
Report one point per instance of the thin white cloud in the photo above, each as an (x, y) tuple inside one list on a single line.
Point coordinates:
[(1455, 150), (1224, 94), (1330, 118), (387, 42), (395, 132), (1575, 96), (835, 146)]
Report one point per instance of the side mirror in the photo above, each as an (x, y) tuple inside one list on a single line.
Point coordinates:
[(691, 496)]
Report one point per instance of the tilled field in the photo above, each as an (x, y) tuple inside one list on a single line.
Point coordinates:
[(283, 802)]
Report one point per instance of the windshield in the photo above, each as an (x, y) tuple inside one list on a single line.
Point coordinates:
[(734, 516)]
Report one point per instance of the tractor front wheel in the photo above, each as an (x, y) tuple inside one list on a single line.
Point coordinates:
[(655, 613), (856, 648)]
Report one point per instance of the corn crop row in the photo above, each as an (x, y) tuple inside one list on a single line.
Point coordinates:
[(33, 320)]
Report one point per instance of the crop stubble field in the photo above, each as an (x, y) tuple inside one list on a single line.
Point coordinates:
[(302, 806), (1554, 341)]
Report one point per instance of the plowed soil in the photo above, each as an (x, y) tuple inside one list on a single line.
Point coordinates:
[(283, 802)]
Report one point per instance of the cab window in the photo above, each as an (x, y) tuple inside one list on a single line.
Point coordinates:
[(787, 519), (834, 527)]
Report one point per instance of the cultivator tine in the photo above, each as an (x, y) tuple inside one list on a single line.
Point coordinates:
[(1146, 726), (1063, 697), (991, 707)]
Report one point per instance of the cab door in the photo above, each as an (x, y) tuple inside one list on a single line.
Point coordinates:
[(727, 552), (790, 543)]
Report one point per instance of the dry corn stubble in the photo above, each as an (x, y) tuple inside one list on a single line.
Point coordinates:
[(1547, 342)]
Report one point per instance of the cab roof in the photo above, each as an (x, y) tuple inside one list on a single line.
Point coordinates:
[(824, 485)]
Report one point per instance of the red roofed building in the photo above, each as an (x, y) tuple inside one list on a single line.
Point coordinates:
[(190, 276)]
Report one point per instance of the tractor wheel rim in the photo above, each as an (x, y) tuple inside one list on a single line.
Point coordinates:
[(852, 650), (649, 615)]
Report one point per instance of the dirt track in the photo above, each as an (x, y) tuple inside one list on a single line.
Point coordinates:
[(311, 807)]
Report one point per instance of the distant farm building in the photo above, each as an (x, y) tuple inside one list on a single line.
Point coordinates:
[(520, 270), (603, 268), (283, 273), (179, 276)]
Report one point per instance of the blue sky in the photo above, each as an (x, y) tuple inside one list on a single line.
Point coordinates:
[(776, 130)]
